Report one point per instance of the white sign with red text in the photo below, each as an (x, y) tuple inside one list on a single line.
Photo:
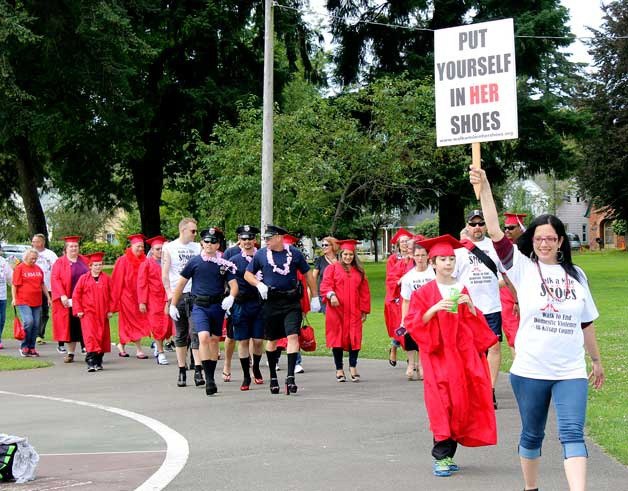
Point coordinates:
[(475, 83)]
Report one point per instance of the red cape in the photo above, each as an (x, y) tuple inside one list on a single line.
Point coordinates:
[(61, 284), (343, 324), (151, 291), (93, 298), (132, 324), (510, 321), (457, 383)]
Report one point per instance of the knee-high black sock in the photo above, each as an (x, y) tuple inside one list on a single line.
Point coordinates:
[(337, 352), (246, 368), (353, 357), (256, 371), (292, 362), (272, 358), (209, 367)]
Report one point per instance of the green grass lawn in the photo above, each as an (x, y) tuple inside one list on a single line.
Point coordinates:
[(607, 420)]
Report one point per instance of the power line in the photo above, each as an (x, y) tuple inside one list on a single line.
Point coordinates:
[(412, 28)]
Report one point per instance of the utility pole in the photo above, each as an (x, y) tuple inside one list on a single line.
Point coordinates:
[(267, 131)]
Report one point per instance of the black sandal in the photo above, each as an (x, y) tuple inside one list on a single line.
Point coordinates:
[(392, 363), (341, 378), (274, 386)]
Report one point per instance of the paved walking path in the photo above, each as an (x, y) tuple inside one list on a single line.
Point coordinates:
[(373, 435)]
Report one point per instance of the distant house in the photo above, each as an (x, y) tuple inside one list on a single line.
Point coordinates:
[(112, 226), (602, 234)]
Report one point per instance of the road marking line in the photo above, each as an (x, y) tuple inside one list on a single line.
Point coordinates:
[(177, 448), (100, 453)]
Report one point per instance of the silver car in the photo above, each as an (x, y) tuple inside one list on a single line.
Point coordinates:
[(574, 241)]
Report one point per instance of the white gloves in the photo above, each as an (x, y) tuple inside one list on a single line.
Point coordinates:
[(263, 290), (227, 303), (69, 303), (315, 304), (174, 312)]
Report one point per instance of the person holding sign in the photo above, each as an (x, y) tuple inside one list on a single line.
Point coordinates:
[(555, 328), (453, 336)]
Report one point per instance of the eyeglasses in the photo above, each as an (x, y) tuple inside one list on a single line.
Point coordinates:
[(211, 240), (193, 231), (510, 227), (324, 245), (549, 240), (476, 224)]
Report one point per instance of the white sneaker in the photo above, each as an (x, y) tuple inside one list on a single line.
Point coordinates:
[(298, 369), (161, 359), (155, 351)]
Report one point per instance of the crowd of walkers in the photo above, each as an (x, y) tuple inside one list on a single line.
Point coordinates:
[(447, 303)]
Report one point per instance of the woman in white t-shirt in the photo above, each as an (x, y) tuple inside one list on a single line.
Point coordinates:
[(410, 282), (556, 326)]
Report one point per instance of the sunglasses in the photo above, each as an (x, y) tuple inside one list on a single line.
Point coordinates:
[(193, 231), (510, 227), (211, 240), (324, 245), (247, 238), (476, 224)]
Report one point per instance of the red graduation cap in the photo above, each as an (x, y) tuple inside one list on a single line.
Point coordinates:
[(95, 257), (348, 244), (515, 219), (290, 239), (443, 245), (135, 238), (400, 233), (418, 237), (72, 238), (158, 239)]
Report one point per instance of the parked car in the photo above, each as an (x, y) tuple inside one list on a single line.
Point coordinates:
[(574, 241), (14, 252)]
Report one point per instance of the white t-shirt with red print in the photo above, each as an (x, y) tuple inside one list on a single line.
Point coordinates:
[(413, 280), (550, 342)]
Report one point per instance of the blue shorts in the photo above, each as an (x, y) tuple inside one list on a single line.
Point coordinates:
[(247, 320), (208, 319), (494, 321)]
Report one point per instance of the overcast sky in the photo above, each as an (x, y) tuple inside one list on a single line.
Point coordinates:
[(584, 13)]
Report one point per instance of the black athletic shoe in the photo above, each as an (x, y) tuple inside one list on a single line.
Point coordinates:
[(210, 388), (181, 382)]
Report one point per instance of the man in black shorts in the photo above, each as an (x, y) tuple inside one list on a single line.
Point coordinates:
[(281, 291), (211, 275)]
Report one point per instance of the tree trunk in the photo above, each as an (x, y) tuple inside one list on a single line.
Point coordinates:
[(374, 234), (27, 184), (450, 215), (148, 181)]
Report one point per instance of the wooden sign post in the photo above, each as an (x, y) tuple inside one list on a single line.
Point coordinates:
[(475, 85)]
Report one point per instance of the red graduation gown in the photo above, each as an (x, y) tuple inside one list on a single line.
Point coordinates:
[(93, 298), (132, 324), (61, 284), (151, 291), (395, 269), (457, 380), (343, 324), (510, 322)]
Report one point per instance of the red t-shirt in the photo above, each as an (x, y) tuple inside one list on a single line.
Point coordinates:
[(28, 280)]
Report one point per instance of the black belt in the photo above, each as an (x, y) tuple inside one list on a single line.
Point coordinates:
[(284, 294), (247, 297), (206, 301)]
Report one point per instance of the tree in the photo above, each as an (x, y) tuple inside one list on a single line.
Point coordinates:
[(367, 51), (604, 173)]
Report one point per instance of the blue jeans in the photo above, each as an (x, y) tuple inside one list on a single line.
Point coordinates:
[(3, 316), (570, 403), (31, 316)]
